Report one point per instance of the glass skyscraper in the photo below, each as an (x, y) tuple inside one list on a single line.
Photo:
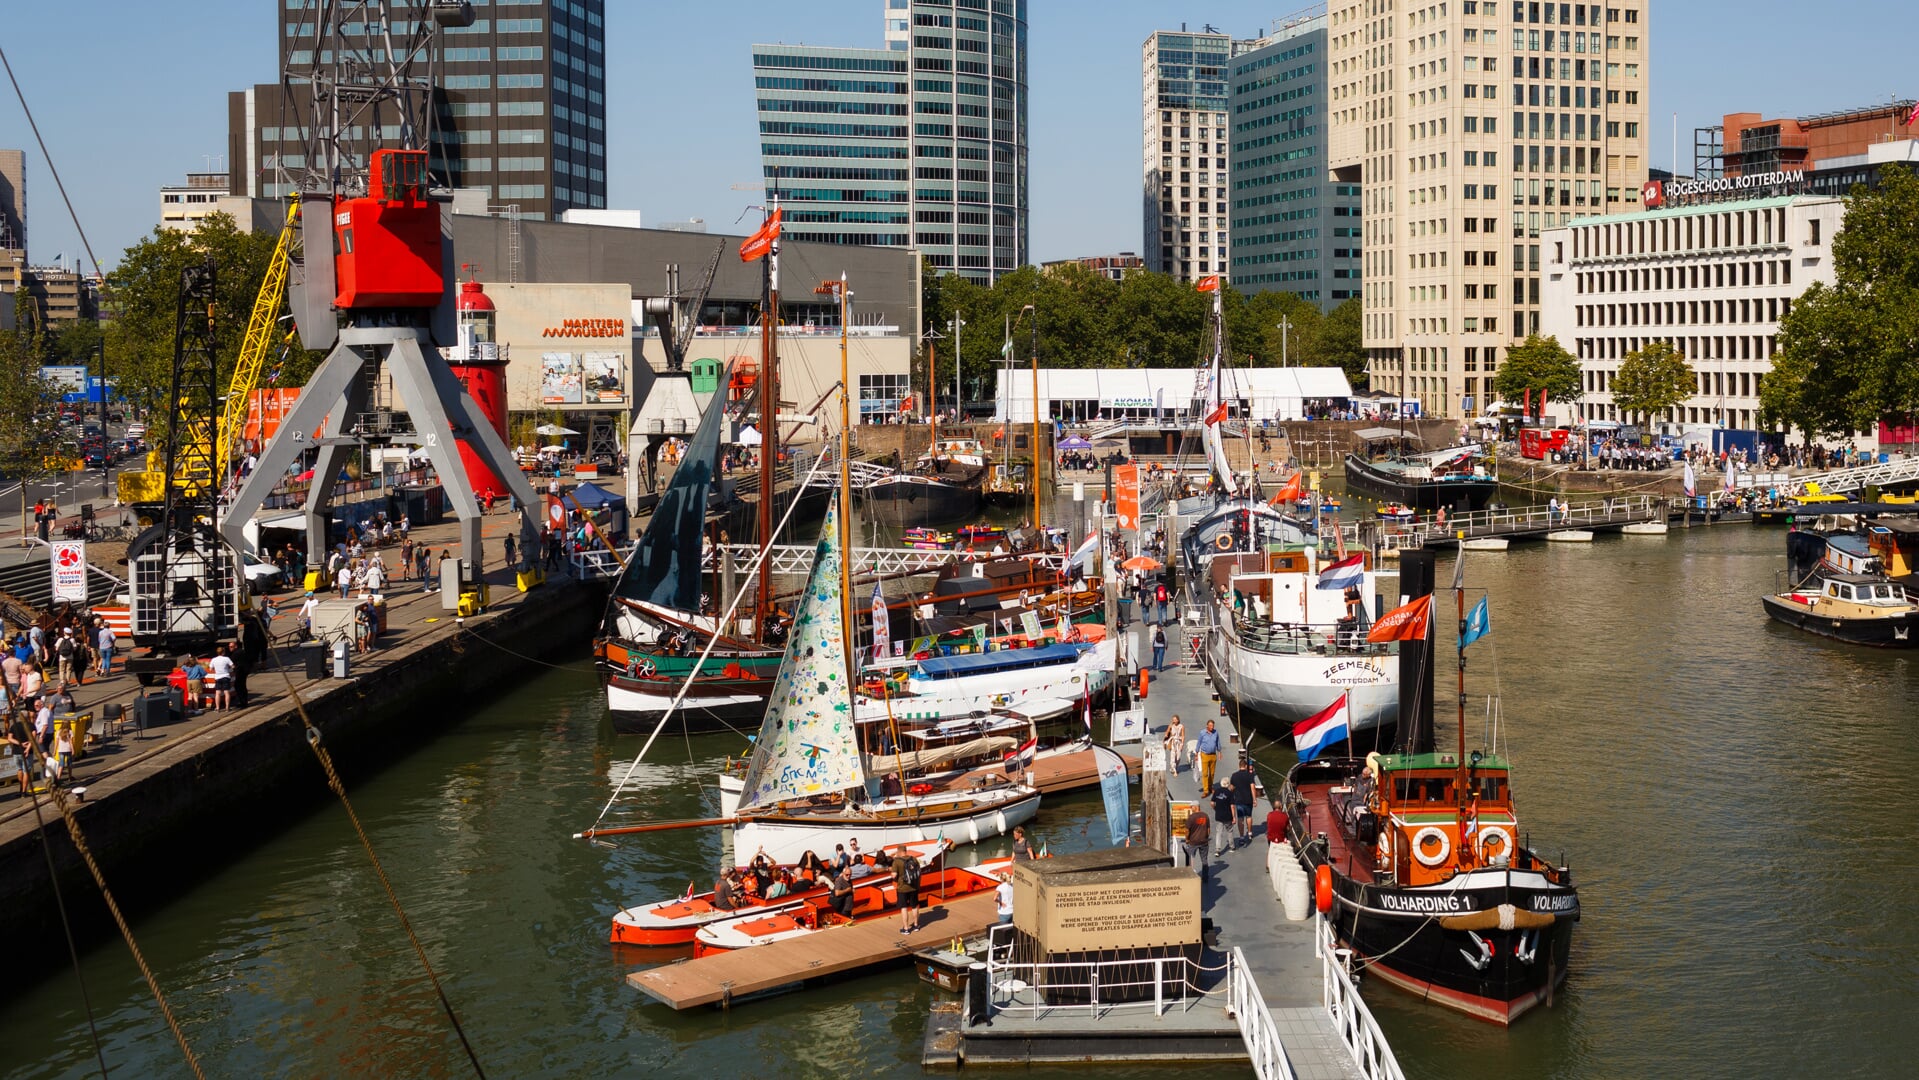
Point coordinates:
[(918, 144), (1183, 150)]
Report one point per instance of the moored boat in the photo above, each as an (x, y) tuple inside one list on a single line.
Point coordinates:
[(1486, 543), (874, 897), (1860, 609), (1570, 536), (1456, 478)]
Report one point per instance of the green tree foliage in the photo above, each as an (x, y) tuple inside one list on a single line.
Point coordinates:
[(1538, 363), (1087, 320), (31, 436), (142, 294), (1849, 353), (1652, 379)]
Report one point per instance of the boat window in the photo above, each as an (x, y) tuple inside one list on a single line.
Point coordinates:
[(1422, 789), (1491, 789)]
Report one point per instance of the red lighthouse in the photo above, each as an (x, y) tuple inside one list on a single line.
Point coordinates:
[(480, 365)]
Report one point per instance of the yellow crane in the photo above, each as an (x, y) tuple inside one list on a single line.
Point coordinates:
[(213, 460)]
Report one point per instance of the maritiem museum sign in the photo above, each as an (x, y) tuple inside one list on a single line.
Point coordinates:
[(1658, 193)]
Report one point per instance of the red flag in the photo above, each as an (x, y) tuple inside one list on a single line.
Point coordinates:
[(1293, 491), (1209, 283), (1404, 623), (1216, 415), (761, 242), (1913, 116)]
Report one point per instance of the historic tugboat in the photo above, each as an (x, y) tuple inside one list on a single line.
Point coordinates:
[(1862, 609), (1431, 886)]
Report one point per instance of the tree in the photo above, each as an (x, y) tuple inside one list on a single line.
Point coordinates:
[(1341, 341), (1538, 363), (1652, 379), (31, 439), (1847, 352)]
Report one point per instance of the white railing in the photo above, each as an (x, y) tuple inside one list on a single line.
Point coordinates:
[(1088, 987), (1613, 510), (1256, 1027), (593, 563), (797, 559), (1351, 1018), (1859, 476)]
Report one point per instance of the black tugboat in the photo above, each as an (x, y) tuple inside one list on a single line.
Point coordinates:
[(1457, 478), (1432, 888)]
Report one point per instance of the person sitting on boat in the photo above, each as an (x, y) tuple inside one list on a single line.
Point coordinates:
[(1022, 846), (761, 868), (726, 891), (843, 893), (810, 867), (781, 885), (841, 860)]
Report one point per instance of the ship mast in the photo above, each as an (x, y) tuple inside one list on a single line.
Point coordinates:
[(769, 391), (1216, 442)]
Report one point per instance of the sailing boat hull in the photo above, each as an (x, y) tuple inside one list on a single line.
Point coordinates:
[(1271, 692), (962, 818), (906, 501), (1425, 494), (720, 705)]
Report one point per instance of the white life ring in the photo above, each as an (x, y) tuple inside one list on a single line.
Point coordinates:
[(1495, 843), (1419, 846)]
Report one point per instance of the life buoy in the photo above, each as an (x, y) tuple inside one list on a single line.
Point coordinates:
[(1495, 843), (1224, 541), (1419, 846)]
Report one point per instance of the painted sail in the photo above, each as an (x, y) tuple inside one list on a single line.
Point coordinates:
[(1215, 442), (665, 567), (806, 744)]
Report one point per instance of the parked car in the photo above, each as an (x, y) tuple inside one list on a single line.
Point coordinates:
[(262, 576)]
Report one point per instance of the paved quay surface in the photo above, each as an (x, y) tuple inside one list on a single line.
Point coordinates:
[(1239, 895)]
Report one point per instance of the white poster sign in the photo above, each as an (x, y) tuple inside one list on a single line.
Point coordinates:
[(69, 570)]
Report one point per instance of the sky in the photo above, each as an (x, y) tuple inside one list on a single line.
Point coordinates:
[(131, 94)]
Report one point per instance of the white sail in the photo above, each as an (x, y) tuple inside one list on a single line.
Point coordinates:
[(1215, 442), (806, 744)]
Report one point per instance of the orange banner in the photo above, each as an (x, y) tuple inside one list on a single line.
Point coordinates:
[(1126, 495), (1293, 491), (266, 410), (1404, 623)]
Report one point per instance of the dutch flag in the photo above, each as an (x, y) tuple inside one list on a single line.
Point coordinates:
[(1343, 573), (1314, 734)]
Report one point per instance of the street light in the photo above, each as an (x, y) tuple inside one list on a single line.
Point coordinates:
[(1285, 326)]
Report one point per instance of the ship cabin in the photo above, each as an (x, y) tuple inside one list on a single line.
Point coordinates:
[(1419, 837)]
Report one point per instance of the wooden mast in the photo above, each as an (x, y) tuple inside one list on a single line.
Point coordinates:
[(769, 391)]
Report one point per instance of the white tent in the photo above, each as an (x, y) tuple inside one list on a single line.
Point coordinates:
[(749, 436)]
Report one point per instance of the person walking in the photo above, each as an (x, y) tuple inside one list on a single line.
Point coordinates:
[(512, 553), (1003, 897), (1208, 755), (104, 643), (1223, 814), (906, 884), (1160, 597), (1159, 649), (1244, 785), (1199, 838), (63, 650), (1175, 742)]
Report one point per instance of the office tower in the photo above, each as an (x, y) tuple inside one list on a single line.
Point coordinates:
[(921, 143), (1294, 228), (1470, 126), (520, 110), (13, 201), (1183, 79)]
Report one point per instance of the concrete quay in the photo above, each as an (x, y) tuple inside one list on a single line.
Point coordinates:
[(161, 804)]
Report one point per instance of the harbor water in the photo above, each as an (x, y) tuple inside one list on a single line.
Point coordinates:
[(1727, 791)]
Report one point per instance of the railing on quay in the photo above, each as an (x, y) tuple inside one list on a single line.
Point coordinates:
[(1089, 986), (1281, 638), (1255, 1020), (1351, 1018)]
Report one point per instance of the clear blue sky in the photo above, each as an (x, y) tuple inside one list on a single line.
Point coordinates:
[(131, 94)]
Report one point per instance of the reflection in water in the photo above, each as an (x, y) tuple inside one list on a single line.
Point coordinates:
[(1730, 794)]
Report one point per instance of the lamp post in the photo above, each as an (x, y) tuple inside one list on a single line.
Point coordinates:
[(1034, 480), (1285, 328), (106, 453), (959, 397)]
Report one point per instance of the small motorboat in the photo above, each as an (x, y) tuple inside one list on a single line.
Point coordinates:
[(1396, 512), (874, 897), (1570, 536), (925, 539), (980, 534), (675, 922), (1646, 528), (1863, 609), (1486, 543)]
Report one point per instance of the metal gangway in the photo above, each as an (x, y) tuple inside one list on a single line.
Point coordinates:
[(1899, 470), (1517, 522), (797, 560)]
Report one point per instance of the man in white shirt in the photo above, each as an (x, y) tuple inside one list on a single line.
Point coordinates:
[(1003, 897), (220, 670)]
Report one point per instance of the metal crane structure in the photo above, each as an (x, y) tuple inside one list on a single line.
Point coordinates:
[(185, 588), (373, 285), (677, 315)]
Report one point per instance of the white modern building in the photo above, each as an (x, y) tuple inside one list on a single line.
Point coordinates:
[(1712, 279), (1184, 173), (1167, 395)]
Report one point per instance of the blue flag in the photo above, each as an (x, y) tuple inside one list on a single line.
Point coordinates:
[(1478, 624)]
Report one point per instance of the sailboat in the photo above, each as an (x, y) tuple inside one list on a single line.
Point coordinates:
[(1433, 888), (807, 786)]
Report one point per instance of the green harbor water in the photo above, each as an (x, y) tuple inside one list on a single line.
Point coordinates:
[(1728, 792)]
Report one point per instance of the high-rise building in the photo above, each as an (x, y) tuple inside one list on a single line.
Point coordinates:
[(920, 144), (1470, 126), (520, 105), (1183, 78), (1294, 227), (13, 200)]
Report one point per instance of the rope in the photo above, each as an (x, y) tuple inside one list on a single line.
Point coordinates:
[(53, 876), (126, 931), (366, 843)]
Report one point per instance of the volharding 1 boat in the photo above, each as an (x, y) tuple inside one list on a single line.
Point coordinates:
[(1433, 888), (1456, 478)]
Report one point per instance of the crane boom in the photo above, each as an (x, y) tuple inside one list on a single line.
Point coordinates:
[(257, 342)]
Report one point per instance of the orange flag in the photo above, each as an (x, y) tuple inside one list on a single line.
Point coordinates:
[(1407, 622), (1126, 495), (1209, 283), (1293, 491), (761, 242), (1216, 415)]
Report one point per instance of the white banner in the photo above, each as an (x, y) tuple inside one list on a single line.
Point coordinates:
[(69, 570)]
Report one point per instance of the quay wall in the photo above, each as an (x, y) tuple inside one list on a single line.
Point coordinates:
[(213, 794)]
